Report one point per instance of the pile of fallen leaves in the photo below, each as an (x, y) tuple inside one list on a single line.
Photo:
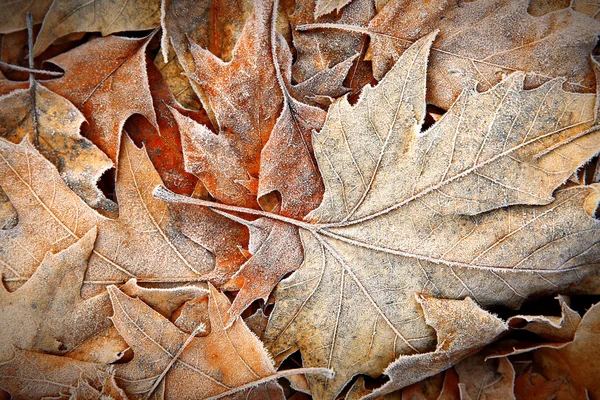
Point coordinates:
[(299, 199)]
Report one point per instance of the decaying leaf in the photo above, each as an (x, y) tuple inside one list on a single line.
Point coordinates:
[(178, 82), (47, 312), (228, 362), (575, 366), (52, 124), (13, 13), (104, 16), (140, 243), (476, 44), (244, 96), (449, 211), (485, 380), (29, 375), (456, 338), (214, 25)]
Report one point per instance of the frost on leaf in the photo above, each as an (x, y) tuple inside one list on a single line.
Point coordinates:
[(464, 209)]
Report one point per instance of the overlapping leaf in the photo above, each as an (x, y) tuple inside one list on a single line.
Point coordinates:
[(228, 362), (476, 44), (105, 16), (140, 243), (52, 124)]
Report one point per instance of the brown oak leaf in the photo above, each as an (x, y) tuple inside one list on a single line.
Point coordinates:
[(106, 80), (228, 362), (164, 144), (141, 243), (29, 375), (52, 124)]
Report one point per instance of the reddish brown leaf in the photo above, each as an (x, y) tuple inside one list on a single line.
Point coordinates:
[(276, 251), (164, 145), (107, 80), (244, 96)]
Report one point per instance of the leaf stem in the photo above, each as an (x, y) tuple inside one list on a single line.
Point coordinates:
[(164, 194), (30, 70)]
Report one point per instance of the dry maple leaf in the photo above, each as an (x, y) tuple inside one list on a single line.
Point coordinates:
[(104, 16), (465, 208), (13, 16), (214, 25), (229, 362), (140, 243), (29, 375), (288, 168), (52, 124), (457, 337), (476, 44)]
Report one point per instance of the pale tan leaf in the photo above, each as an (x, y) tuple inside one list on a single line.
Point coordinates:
[(140, 243), (47, 313), (449, 212), (462, 327), (104, 16), (52, 124)]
